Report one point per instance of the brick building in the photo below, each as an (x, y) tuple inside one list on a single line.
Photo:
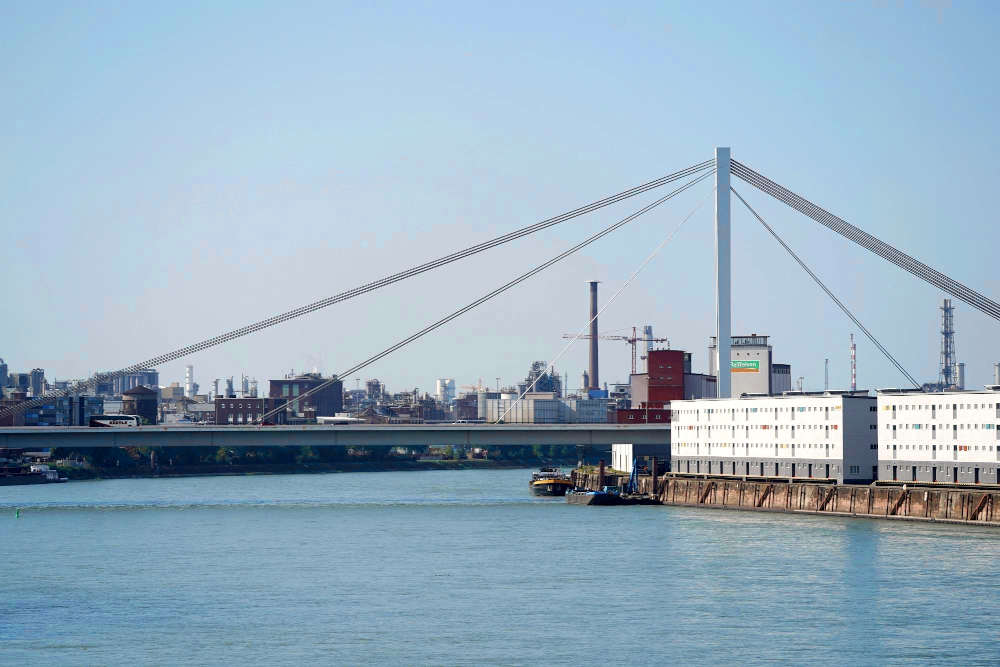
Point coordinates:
[(325, 403), (143, 402), (248, 410)]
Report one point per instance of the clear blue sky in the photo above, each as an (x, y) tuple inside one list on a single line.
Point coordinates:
[(172, 171)]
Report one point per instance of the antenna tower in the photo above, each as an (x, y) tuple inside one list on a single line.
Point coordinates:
[(948, 373)]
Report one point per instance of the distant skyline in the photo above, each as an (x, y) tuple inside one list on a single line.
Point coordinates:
[(173, 172)]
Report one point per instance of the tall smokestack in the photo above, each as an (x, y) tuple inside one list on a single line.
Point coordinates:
[(854, 365), (594, 383)]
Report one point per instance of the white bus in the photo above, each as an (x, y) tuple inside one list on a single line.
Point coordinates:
[(117, 421)]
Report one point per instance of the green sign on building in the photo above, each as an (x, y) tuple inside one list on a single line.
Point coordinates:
[(748, 366)]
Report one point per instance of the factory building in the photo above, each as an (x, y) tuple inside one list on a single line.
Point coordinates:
[(951, 436), (828, 435), (467, 408), (546, 408), (752, 368), (482, 402), (59, 411), (781, 378), (326, 402), (146, 377), (142, 401), (37, 382), (444, 390), (247, 410), (668, 378), (19, 382)]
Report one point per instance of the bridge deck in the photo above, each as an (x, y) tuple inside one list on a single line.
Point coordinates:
[(342, 435)]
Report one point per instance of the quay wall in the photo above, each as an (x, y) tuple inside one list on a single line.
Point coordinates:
[(958, 505)]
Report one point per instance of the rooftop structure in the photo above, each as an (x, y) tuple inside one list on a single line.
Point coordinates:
[(752, 370)]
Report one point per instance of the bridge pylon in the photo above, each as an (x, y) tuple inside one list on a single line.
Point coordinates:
[(723, 272)]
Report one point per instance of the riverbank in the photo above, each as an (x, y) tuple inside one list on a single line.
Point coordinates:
[(313, 467)]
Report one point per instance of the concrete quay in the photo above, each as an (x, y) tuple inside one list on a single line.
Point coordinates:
[(919, 503)]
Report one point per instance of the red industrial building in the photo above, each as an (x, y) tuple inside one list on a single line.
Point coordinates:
[(644, 416), (663, 381)]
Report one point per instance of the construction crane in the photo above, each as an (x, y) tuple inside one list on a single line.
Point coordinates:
[(631, 340), (474, 388)]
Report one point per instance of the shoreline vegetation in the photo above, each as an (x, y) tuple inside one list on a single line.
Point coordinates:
[(140, 462)]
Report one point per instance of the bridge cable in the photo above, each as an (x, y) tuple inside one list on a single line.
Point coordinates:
[(830, 294), (483, 299), (865, 240), (875, 245), (363, 289), (628, 282)]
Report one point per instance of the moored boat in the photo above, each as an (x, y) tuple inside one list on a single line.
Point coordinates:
[(550, 482), (37, 474), (606, 496)]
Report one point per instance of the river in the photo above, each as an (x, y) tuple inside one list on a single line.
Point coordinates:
[(466, 567)]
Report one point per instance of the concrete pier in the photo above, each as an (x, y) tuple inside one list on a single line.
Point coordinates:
[(942, 504)]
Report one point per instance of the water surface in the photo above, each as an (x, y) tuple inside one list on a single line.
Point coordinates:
[(466, 567)]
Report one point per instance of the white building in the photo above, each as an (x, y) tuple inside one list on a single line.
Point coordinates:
[(827, 435), (622, 456), (939, 437)]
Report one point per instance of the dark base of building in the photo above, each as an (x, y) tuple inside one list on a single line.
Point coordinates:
[(818, 469), (947, 472)]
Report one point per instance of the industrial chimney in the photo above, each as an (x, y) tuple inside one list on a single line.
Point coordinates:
[(594, 380)]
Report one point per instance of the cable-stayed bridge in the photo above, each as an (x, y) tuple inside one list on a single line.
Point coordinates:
[(722, 166)]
